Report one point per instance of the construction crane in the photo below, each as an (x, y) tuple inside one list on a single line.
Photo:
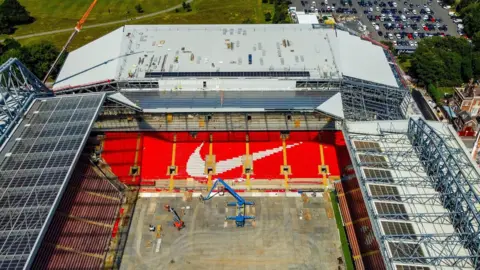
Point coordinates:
[(177, 221), (78, 27), (241, 204)]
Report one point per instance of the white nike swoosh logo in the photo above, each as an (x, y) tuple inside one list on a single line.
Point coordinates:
[(196, 165)]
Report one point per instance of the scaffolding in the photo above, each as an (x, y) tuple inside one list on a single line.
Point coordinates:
[(18, 88), (420, 190), (362, 100)]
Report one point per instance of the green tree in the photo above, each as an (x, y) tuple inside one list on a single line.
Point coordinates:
[(435, 93), (15, 12), (15, 53), (5, 26), (268, 16), (427, 67), (463, 4), (471, 18), (281, 11), (139, 8), (39, 56), (476, 64), (476, 41), (443, 61), (466, 69), (9, 44)]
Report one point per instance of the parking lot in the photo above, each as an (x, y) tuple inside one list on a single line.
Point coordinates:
[(404, 22)]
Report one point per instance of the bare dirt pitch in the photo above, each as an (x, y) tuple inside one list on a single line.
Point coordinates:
[(279, 239)]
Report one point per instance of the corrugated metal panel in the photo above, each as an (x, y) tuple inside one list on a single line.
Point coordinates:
[(280, 100)]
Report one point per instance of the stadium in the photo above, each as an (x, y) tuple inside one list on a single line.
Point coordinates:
[(313, 124)]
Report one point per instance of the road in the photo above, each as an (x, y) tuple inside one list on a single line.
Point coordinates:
[(423, 105), (100, 24)]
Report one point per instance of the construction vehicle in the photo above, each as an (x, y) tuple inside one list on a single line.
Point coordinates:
[(77, 29), (177, 221), (241, 204)]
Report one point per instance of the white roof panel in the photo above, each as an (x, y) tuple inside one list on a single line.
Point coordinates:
[(139, 51), (333, 106), (307, 18), (361, 59), (97, 61), (120, 98)]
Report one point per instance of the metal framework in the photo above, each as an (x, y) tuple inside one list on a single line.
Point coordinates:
[(426, 183), (362, 100), (18, 88)]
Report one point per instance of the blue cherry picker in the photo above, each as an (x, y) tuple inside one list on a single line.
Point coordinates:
[(241, 204)]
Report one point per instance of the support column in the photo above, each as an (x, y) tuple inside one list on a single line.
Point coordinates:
[(172, 164), (323, 168), (285, 163), (137, 153), (247, 154), (210, 153)]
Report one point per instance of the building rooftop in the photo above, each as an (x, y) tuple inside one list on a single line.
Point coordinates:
[(471, 90), (306, 18), (283, 52)]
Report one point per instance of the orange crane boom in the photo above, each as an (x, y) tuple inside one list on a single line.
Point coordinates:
[(78, 27), (85, 16)]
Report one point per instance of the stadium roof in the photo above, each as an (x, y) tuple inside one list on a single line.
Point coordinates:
[(421, 192), (222, 51), (35, 165), (328, 102)]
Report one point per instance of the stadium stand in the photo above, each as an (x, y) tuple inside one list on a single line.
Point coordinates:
[(81, 229), (347, 220), (119, 150), (365, 250), (304, 153)]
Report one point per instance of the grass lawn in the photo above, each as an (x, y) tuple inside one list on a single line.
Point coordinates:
[(446, 90), (204, 12), (61, 14), (438, 93), (343, 236), (215, 12)]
